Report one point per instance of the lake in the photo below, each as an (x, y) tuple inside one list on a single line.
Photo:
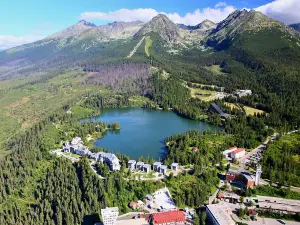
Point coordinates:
[(143, 131)]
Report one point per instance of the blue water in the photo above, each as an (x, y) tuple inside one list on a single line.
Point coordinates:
[(143, 131)]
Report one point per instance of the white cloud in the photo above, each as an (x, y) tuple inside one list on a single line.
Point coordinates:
[(220, 4), (9, 41), (216, 14), (287, 11), (125, 15)]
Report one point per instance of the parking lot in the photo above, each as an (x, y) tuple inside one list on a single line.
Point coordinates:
[(161, 201)]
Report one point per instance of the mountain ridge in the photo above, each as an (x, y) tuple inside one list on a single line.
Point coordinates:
[(295, 26)]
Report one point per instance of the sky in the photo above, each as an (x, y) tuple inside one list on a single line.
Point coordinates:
[(25, 21)]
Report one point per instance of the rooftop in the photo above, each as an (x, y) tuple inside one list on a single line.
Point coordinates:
[(157, 163), (248, 177), (175, 164), (140, 163), (147, 165), (131, 161), (112, 209), (221, 213), (168, 217), (164, 167), (109, 156), (238, 150), (219, 110)]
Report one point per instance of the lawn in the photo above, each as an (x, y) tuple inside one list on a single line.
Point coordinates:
[(252, 111), (148, 45), (204, 95), (216, 69), (231, 105)]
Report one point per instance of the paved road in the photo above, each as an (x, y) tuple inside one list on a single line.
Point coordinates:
[(269, 221), (213, 197)]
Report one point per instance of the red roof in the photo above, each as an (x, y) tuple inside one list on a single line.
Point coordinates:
[(168, 217), (252, 212), (132, 204), (238, 150), (221, 196), (234, 147)]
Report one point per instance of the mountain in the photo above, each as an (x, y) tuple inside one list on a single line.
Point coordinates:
[(163, 27), (121, 29), (204, 25), (242, 31), (296, 26), (245, 22), (73, 30)]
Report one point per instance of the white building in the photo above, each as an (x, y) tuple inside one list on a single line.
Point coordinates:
[(147, 168), (258, 175), (131, 164), (242, 93), (227, 153), (111, 159), (81, 151), (109, 215), (139, 165), (239, 153), (76, 146), (77, 141), (163, 169), (174, 166), (156, 166), (219, 214)]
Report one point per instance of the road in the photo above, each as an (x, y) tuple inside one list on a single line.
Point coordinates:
[(269, 221), (213, 197), (254, 152)]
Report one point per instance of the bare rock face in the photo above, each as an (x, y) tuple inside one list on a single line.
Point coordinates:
[(121, 29), (164, 27), (73, 30)]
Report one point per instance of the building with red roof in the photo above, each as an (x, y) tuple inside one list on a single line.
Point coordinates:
[(167, 217), (246, 179), (233, 148), (195, 149), (133, 205), (239, 153)]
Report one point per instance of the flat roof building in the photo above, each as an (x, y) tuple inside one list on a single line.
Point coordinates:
[(110, 215), (219, 214)]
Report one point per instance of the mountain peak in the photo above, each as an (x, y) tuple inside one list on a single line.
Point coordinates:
[(85, 23), (162, 26), (160, 16)]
